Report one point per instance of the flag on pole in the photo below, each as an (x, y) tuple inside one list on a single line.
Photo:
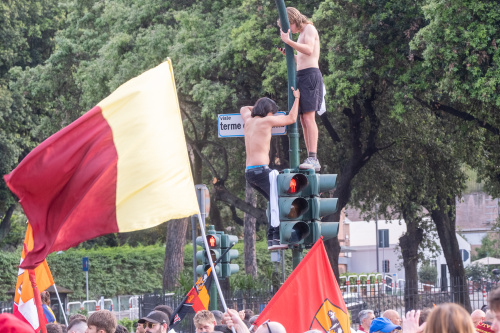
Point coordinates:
[(122, 166), (24, 302), (310, 298), (197, 298)]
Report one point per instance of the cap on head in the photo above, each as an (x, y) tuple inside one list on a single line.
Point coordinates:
[(156, 317), (383, 325)]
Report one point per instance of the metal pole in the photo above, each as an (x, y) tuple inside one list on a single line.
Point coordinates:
[(214, 274), (376, 240), (296, 256), (293, 132), (87, 279), (283, 277), (193, 226)]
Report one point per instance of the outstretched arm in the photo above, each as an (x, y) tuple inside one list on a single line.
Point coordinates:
[(291, 117)]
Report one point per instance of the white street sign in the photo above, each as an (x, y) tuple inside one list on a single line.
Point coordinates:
[(231, 125)]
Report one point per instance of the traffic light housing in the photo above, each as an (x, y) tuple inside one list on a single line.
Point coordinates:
[(301, 206), (214, 244), (227, 268), (293, 206)]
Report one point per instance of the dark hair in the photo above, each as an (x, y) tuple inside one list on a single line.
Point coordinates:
[(53, 328), (165, 309), (76, 316), (248, 314), (218, 316), (121, 329), (45, 296), (263, 106)]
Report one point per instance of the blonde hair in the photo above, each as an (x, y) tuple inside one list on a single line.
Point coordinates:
[(203, 317), (295, 17), (449, 318)]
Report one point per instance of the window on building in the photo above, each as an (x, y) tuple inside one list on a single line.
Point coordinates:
[(383, 238)]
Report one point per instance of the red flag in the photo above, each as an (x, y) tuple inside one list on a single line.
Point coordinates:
[(310, 298), (197, 298), (24, 302), (110, 170)]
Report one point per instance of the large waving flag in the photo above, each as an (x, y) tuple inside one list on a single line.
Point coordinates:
[(197, 298), (122, 166), (24, 302), (310, 298)]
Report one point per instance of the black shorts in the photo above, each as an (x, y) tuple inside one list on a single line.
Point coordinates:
[(310, 84), (258, 178)]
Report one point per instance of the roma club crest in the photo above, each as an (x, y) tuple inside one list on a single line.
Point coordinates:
[(331, 319)]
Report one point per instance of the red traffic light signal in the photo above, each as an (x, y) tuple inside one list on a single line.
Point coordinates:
[(212, 241), (297, 183)]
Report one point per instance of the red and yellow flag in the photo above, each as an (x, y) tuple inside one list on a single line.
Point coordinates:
[(122, 166), (24, 302), (310, 298)]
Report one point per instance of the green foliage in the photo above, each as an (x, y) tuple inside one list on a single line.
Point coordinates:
[(427, 274), (477, 272), (9, 261), (490, 245)]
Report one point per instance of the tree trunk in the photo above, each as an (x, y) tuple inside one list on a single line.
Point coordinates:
[(6, 222), (174, 252), (249, 234), (409, 244), (444, 218)]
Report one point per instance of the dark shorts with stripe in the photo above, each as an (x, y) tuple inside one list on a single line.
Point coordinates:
[(310, 84)]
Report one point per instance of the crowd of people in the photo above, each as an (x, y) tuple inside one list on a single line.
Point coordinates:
[(444, 318)]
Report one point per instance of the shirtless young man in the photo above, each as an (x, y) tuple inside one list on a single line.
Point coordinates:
[(309, 80), (259, 121)]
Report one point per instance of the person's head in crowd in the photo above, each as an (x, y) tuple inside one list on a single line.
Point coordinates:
[(424, 314), (165, 308), (77, 316), (494, 307), (155, 322), (218, 316), (45, 296), (53, 328), (102, 321), (77, 325), (365, 319), (270, 326), (248, 314), (140, 327), (488, 319), (477, 317), (393, 316), (64, 329), (204, 321), (449, 318), (121, 329), (253, 319), (383, 325)]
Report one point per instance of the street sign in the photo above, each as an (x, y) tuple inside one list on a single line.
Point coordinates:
[(85, 264), (230, 125)]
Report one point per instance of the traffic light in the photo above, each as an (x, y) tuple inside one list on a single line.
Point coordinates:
[(320, 207), (293, 206), (227, 268), (214, 244), (301, 206)]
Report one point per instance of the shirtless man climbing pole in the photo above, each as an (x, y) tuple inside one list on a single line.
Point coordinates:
[(259, 121)]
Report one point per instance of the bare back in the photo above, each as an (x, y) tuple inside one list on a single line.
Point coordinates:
[(309, 35), (257, 141)]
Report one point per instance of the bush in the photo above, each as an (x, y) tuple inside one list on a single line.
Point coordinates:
[(427, 274)]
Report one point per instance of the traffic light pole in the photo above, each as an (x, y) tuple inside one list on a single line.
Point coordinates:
[(216, 279), (293, 132)]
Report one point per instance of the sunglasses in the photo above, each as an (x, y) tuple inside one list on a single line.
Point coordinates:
[(149, 325)]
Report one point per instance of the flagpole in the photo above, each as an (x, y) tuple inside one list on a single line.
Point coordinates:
[(38, 300), (214, 273), (60, 304)]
